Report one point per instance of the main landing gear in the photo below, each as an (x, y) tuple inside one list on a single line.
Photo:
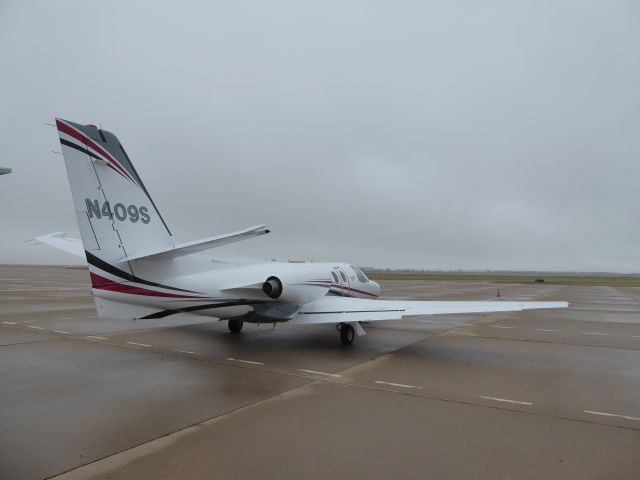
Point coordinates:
[(347, 333), (235, 325)]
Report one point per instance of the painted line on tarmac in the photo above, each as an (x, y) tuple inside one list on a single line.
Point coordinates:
[(9, 323), (546, 330), (396, 384), (36, 328), (139, 344), (62, 331), (506, 400), (320, 373), (445, 323), (605, 414), (97, 338), (500, 326), (594, 333), (251, 362), (186, 351)]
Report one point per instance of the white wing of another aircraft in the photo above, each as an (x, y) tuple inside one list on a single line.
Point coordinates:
[(138, 271)]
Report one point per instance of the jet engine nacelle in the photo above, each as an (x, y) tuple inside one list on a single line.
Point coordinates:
[(298, 286)]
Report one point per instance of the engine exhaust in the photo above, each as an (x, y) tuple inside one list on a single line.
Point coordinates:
[(272, 287)]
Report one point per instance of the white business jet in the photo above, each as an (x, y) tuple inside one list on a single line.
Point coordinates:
[(138, 271)]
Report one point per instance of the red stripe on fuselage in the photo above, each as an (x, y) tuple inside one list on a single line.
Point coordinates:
[(343, 287), (351, 289), (101, 283), (72, 132)]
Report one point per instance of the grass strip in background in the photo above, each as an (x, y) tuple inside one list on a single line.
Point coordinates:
[(541, 278)]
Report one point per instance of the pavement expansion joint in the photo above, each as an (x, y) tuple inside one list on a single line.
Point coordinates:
[(24, 343), (140, 450)]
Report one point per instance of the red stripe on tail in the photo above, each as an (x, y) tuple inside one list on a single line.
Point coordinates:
[(100, 283), (72, 132)]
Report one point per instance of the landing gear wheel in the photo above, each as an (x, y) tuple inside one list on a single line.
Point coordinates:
[(347, 333), (235, 325)]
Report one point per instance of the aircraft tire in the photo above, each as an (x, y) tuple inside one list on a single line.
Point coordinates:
[(235, 325), (347, 334)]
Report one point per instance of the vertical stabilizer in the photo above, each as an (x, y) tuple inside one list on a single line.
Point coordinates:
[(115, 213)]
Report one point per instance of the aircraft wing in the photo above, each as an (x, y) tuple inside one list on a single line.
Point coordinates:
[(60, 241), (334, 309)]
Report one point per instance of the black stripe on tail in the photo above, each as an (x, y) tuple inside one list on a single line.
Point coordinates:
[(101, 264)]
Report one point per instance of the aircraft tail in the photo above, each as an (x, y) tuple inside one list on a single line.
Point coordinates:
[(116, 215)]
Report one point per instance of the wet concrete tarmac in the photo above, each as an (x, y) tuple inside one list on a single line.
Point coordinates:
[(549, 394)]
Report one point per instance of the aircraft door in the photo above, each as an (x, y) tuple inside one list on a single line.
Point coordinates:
[(343, 281)]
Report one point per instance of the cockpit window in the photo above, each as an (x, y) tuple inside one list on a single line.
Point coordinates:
[(344, 277), (361, 276), (335, 277)]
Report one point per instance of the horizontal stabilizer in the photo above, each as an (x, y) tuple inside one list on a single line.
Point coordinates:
[(61, 241), (201, 245)]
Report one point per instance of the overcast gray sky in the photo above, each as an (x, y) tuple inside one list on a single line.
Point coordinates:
[(471, 135)]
